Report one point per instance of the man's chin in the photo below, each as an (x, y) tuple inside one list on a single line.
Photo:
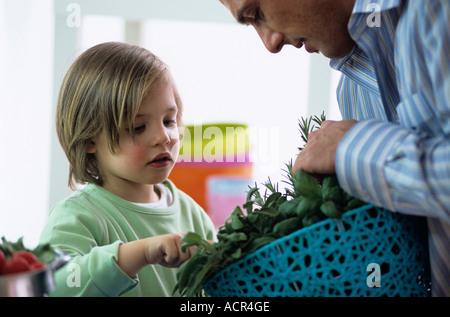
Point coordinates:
[(337, 53)]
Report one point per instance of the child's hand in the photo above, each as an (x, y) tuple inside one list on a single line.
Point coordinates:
[(165, 250)]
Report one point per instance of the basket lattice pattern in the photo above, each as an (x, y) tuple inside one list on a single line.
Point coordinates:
[(369, 252)]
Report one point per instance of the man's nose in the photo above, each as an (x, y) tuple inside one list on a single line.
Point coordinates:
[(274, 41)]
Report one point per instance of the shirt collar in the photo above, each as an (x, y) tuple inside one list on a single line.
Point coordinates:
[(370, 6), (357, 23), (357, 67), (365, 10), (337, 63)]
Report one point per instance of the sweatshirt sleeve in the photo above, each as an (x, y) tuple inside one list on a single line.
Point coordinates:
[(92, 270)]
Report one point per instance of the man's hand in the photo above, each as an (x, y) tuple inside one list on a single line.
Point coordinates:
[(319, 154)]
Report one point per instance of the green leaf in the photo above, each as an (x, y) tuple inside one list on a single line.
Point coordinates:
[(45, 253), (319, 120), (306, 185), (334, 194), (233, 237), (289, 207), (305, 128), (270, 186), (329, 181), (188, 269), (307, 205), (237, 254), (193, 239), (330, 209), (311, 219), (236, 222), (259, 243), (272, 200), (233, 221), (271, 212), (353, 203), (286, 226)]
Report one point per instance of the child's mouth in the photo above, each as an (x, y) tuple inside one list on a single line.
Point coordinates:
[(161, 160)]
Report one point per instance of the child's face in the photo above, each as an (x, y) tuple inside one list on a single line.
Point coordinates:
[(150, 157)]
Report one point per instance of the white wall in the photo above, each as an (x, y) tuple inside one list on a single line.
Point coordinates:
[(26, 61), (222, 70)]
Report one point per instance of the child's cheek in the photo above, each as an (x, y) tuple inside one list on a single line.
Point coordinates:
[(138, 154), (175, 149)]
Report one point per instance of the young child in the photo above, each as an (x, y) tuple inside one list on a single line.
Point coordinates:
[(118, 119)]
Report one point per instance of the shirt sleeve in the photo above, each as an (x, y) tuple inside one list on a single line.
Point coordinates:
[(394, 168), (406, 167), (92, 270)]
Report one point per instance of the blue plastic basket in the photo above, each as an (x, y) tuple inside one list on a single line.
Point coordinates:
[(369, 252)]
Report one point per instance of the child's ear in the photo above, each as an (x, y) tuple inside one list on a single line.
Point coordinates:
[(91, 148)]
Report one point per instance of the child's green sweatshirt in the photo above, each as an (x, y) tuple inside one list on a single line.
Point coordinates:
[(90, 225)]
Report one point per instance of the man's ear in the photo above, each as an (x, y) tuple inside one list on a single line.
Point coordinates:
[(91, 147)]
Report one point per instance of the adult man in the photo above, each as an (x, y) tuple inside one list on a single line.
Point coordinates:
[(393, 149)]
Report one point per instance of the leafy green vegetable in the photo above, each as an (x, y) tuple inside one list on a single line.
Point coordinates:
[(268, 216), (44, 252)]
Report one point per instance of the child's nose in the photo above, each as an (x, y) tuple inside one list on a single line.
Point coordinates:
[(160, 136)]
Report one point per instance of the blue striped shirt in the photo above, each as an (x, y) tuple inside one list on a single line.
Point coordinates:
[(396, 83)]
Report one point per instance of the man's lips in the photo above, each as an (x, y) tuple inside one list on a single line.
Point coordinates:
[(303, 43), (309, 46), (300, 43)]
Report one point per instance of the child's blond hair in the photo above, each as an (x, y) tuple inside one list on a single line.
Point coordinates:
[(102, 91)]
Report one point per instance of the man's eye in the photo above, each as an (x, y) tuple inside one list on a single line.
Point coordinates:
[(258, 15)]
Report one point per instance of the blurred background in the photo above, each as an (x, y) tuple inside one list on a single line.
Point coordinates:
[(222, 70)]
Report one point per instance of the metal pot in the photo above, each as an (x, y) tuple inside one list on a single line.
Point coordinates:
[(34, 283)]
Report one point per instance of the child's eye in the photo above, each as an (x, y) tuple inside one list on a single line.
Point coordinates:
[(139, 129), (169, 122)]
